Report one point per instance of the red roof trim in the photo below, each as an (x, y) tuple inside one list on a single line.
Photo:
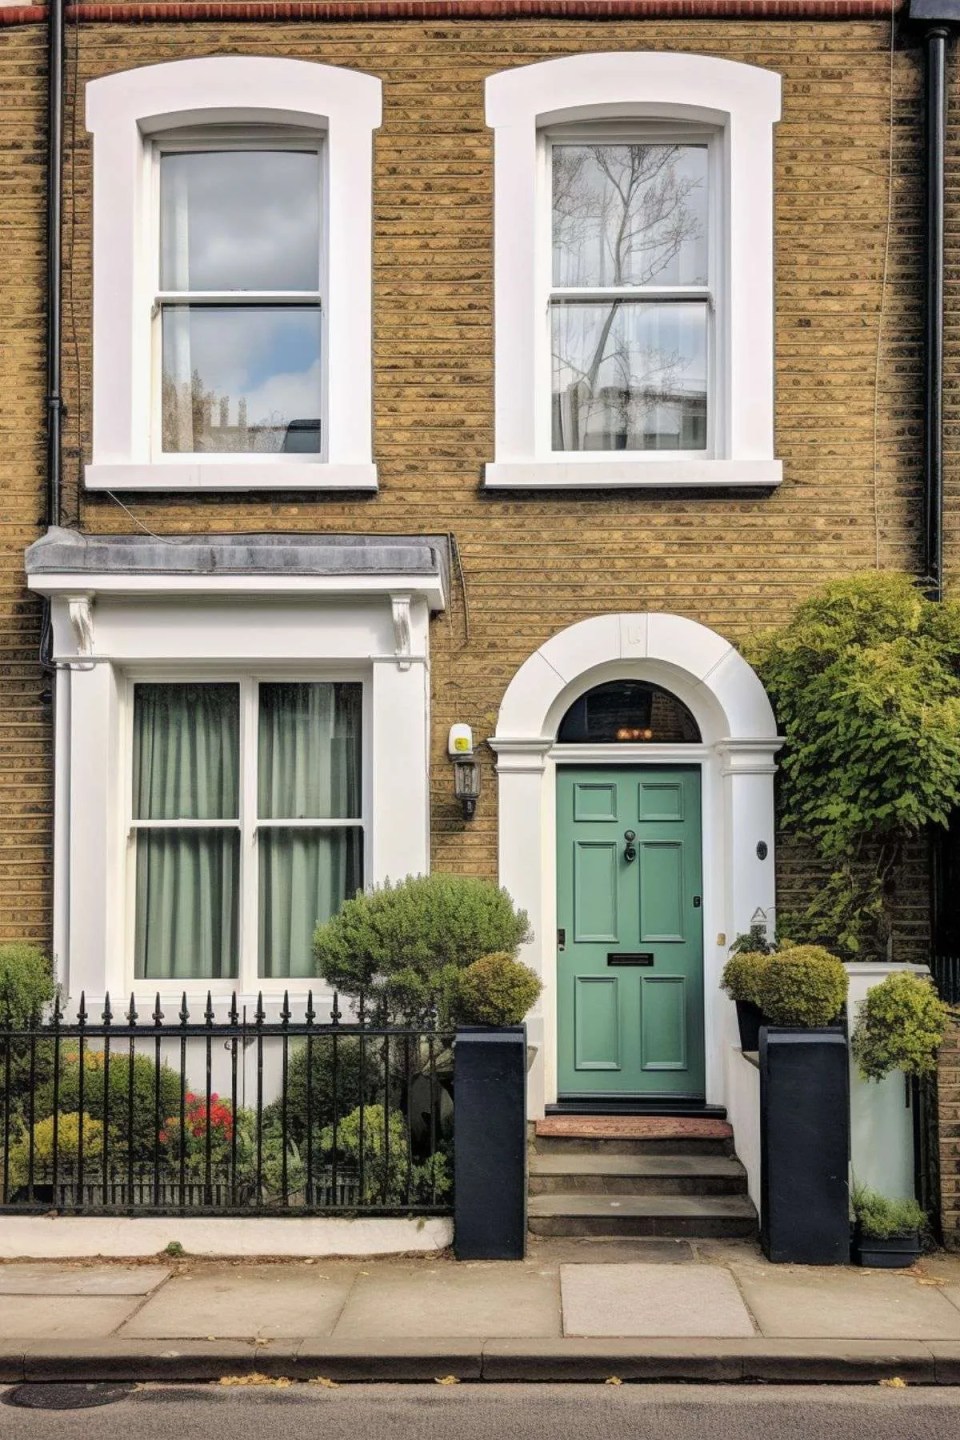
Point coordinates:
[(362, 11)]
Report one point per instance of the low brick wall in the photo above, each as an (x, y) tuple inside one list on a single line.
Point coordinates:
[(949, 1117)]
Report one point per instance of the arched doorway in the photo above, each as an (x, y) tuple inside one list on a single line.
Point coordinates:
[(645, 708)]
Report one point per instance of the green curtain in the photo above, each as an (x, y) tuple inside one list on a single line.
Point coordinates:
[(309, 769), (186, 745)]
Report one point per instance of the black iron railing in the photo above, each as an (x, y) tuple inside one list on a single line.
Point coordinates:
[(946, 977), (225, 1114)]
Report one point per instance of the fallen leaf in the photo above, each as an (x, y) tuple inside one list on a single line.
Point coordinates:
[(326, 1382), (447, 1380), (936, 1280), (894, 1383), (613, 1380), (280, 1382)]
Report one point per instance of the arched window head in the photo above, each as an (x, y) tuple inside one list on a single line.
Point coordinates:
[(628, 712)]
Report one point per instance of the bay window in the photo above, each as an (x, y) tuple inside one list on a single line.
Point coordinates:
[(247, 824)]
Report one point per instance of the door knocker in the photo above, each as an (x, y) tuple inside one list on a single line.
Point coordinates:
[(629, 850)]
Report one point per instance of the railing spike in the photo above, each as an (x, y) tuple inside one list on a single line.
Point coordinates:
[(208, 1013), (107, 1011), (82, 1009), (259, 1016), (310, 1014), (132, 1012), (234, 1013), (157, 1013), (285, 1011), (184, 1009)]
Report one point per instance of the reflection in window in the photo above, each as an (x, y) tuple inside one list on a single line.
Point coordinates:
[(240, 300), (628, 712), (630, 305)]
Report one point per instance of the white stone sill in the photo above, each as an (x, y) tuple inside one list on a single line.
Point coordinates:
[(633, 474), (227, 475)]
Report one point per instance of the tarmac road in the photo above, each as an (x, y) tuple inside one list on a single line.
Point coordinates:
[(501, 1412)]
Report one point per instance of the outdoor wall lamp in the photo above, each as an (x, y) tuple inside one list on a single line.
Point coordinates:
[(466, 771)]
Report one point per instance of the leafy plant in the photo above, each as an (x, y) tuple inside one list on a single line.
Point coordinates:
[(495, 990), (865, 680), (387, 1161), (802, 985), (900, 1026), (101, 1097), (310, 1088), (882, 1219), (742, 977), (26, 984), (68, 1149), (404, 945)]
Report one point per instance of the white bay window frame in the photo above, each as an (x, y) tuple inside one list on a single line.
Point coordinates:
[(128, 115), (625, 93), (249, 824)]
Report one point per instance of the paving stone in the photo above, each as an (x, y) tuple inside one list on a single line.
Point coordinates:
[(56, 1317), (256, 1301), (628, 1300), (846, 1304), (48, 1279), (452, 1300)]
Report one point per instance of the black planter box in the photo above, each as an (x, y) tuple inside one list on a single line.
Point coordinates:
[(894, 1253), (749, 1020), (804, 1146), (490, 1144)]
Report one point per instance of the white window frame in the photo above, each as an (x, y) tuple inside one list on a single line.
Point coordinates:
[(248, 823), (739, 104), (214, 138), (127, 113), (712, 293)]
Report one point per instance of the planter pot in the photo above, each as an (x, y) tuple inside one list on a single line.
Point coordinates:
[(749, 1020), (490, 1143), (894, 1253), (804, 1138)]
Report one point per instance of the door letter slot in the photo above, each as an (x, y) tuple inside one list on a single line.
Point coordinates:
[(640, 957)]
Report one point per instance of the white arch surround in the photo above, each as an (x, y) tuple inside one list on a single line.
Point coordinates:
[(736, 757)]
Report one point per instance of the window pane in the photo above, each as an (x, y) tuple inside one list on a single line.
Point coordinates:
[(187, 888), (242, 378), (186, 752), (629, 215), (310, 746), (240, 220), (629, 376), (628, 712), (305, 875)]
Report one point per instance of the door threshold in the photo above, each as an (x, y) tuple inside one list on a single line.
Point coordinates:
[(681, 1109)]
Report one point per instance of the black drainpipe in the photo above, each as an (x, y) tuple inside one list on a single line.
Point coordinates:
[(938, 17)]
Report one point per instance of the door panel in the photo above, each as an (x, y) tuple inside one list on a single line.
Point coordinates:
[(597, 1022), (630, 947)]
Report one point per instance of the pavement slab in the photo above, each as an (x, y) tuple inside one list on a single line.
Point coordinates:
[(249, 1302), (652, 1300), (452, 1301), (47, 1279), (846, 1304), (63, 1317)]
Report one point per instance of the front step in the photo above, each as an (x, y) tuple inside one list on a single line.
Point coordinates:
[(605, 1174), (631, 1135), (705, 1217)]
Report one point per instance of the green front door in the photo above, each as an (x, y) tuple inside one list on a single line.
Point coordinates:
[(629, 936)]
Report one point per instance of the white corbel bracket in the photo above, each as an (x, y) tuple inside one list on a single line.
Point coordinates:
[(80, 613), (400, 605)]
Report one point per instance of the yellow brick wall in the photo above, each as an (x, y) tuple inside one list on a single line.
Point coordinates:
[(948, 1090), (531, 565)]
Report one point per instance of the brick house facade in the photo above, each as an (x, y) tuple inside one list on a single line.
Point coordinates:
[(522, 564)]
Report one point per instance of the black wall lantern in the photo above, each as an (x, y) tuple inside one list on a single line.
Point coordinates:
[(466, 770)]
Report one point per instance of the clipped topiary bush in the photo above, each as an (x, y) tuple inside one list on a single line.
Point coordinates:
[(68, 1149), (388, 1164), (742, 977), (101, 1099), (315, 1083), (26, 984), (495, 990), (802, 985), (404, 945), (900, 1026)]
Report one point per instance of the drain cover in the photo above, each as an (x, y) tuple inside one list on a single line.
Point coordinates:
[(66, 1397)]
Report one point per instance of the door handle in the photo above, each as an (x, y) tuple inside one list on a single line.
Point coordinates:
[(629, 850)]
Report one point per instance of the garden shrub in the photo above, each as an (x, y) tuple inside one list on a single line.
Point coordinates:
[(26, 984), (742, 977), (321, 1076), (404, 945), (386, 1166), (802, 985), (495, 990), (68, 1149), (882, 1219), (142, 1126), (900, 1026)]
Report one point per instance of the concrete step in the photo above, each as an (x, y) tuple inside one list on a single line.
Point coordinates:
[(705, 1217), (606, 1174), (630, 1135)]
